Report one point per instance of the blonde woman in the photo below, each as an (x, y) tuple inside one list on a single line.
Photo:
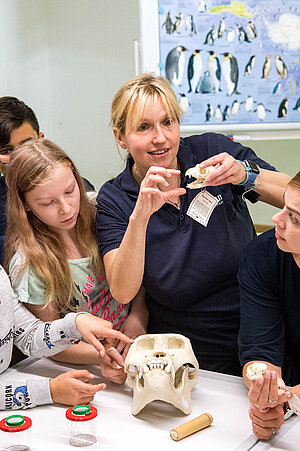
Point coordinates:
[(51, 248), (182, 245)]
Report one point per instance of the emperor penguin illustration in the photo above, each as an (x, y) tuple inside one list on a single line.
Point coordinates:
[(249, 66), (206, 86), (280, 66), (251, 30), (225, 114), (266, 67), (195, 68), (214, 69), (222, 27), (261, 111), (248, 103), (190, 25), (168, 24), (175, 65), (235, 108), (211, 36), (202, 7), (218, 114), (297, 106), (276, 89), (242, 35), (184, 102), (178, 22), (282, 110), (209, 112), (230, 71), (230, 35)]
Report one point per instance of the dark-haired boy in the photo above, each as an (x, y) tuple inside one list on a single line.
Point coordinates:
[(18, 124)]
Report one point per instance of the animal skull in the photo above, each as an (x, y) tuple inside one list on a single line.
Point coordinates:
[(200, 175), (161, 367)]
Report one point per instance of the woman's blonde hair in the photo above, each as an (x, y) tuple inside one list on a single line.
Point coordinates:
[(133, 98), (30, 166)]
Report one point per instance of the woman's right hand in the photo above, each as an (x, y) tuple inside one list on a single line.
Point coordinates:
[(151, 198), (266, 408), (67, 388)]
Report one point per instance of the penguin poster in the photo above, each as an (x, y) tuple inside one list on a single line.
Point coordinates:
[(231, 62)]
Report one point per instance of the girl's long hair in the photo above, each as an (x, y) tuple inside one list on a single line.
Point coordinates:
[(44, 251)]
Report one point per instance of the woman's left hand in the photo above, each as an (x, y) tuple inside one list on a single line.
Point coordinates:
[(228, 170)]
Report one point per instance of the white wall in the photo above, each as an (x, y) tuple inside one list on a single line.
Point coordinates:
[(91, 55), (24, 55)]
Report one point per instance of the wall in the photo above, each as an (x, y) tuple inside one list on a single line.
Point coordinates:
[(67, 58)]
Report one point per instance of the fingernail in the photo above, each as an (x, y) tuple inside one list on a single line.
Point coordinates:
[(102, 353), (91, 375), (274, 375), (122, 363), (289, 394), (267, 374), (260, 380)]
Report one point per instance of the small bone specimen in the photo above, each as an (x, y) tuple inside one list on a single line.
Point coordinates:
[(200, 175), (256, 370)]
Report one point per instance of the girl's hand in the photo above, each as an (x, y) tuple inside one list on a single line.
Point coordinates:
[(228, 170), (68, 389), (111, 371), (91, 328), (154, 192)]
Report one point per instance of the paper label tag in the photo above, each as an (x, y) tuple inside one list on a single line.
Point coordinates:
[(202, 206)]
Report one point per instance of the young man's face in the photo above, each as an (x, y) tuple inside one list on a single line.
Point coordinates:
[(17, 137)]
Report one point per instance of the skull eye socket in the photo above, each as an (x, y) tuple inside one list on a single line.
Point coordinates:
[(145, 344), (176, 343)]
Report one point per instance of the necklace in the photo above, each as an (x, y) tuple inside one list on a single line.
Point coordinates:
[(137, 173), (176, 204)]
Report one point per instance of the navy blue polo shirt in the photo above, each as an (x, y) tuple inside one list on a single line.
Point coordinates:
[(270, 307), (190, 271)]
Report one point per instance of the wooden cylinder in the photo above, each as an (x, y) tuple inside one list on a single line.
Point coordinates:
[(186, 429)]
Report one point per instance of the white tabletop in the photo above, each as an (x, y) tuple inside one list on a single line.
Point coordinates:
[(223, 396)]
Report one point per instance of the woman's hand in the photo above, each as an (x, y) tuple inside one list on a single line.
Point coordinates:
[(155, 192), (264, 392), (265, 424), (91, 328), (68, 389), (266, 408), (228, 170)]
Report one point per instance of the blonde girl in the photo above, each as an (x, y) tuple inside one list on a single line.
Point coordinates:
[(51, 247)]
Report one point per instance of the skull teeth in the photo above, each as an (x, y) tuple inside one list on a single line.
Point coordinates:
[(156, 364)]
